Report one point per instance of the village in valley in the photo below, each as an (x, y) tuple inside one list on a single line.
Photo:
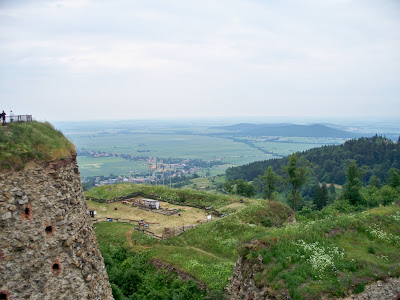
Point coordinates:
[(160, 171)]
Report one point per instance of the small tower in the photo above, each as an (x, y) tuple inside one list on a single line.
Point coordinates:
[(48, 248)]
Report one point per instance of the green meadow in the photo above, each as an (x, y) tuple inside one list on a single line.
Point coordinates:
[(161, 146), (183, 146), (97, 166), (167, 145)]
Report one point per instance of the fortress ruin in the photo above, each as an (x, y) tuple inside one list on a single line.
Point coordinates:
[(48, 248)]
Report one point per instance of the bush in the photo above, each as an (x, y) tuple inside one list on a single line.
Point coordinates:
[(359, 288), (388, 195), (132, 276)]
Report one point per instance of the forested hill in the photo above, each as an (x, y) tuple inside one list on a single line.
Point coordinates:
[(316, 130), (377, 154)]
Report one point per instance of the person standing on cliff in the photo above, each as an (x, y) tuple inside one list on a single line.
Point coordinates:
[(3, 116), (11, 116)]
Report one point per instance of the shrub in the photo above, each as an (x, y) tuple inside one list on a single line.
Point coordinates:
[(132, 276), (359, 288), (371, 250)]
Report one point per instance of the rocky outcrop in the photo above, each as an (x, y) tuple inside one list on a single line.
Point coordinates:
[(48, 248), (243, 286), (388, 289)]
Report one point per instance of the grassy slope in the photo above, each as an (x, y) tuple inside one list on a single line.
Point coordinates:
[(329, 256), (21, 142), (208, 252), (309, 259)]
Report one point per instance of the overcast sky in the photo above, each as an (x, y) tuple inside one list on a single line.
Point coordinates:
[(125, 59)]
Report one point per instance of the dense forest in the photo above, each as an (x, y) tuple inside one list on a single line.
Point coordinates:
[(375, 156)]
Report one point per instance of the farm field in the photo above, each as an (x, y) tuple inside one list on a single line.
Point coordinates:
[(175, 140), (207, 148), (166, 145), (96, 166), (307, 140), (289, 145), (206, 183), (286, 148), (229, 152)]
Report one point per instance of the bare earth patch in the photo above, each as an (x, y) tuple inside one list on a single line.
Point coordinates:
[(157, 222), (234, 206)]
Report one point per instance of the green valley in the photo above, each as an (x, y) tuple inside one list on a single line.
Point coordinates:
[(335, 253)]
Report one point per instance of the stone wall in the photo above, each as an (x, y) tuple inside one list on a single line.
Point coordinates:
[(48, 248)]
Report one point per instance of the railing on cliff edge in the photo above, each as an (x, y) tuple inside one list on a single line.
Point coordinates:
[(18, 118)]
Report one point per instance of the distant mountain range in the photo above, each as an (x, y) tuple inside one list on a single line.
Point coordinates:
[(286, 130)]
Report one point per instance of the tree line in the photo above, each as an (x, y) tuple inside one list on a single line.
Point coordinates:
[(303, 182), (376, 155)]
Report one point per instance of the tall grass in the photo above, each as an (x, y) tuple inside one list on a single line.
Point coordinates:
[(21, 142), (330, 255)]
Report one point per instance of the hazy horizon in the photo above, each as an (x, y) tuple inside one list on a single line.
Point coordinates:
[(248, 119), (117, 60)]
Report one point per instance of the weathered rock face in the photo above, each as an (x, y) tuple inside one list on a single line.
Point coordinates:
[(48, 248), (243, 286), (388, 289)]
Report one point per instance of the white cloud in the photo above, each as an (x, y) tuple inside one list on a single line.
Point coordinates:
[(200, 58)]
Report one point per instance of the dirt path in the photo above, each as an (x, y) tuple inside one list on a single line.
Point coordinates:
[(208, 253), (129, 233), (128, 236)]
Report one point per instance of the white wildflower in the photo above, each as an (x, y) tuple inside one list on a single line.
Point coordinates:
[(321, 257)]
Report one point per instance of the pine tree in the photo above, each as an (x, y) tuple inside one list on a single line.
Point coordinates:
[(297, 170), (332, 189), (353, 184), (320, 197), (375, 181), (394, 179), (269, 181)]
